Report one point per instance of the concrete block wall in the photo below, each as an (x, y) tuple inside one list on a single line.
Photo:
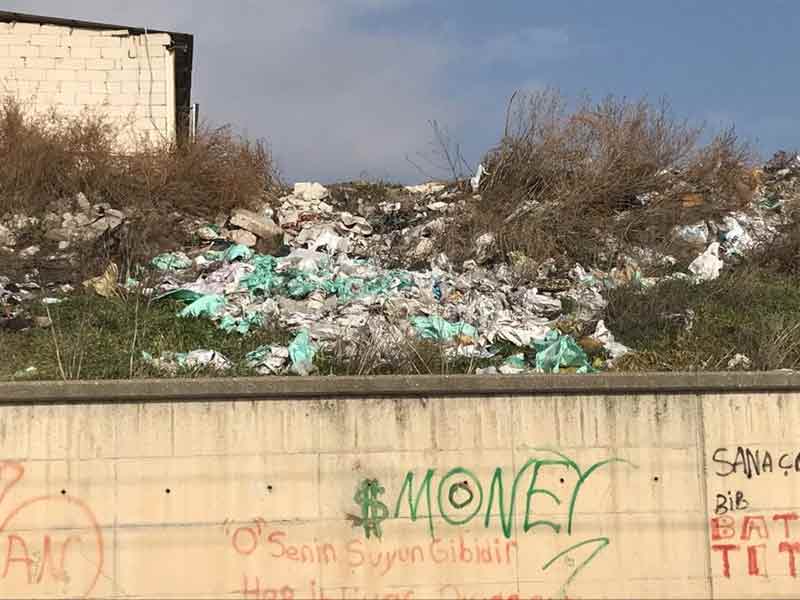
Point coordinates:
[(126, 77), (462, 495)]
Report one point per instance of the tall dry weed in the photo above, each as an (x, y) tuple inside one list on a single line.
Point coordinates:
[(563, 183)]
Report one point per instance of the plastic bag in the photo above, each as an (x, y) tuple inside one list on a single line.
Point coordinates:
[(241, 325), (171, 261), (172, 362), (605, 337), (204, 306), (301, 354), (440, 330), (181, 295), (106, 284), (268, 360), (475, 182), (557, 351), (693, 234), (708, 265), (238, 252), (514, 365)]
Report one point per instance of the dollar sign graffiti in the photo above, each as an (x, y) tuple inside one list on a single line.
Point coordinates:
[(373, 511)]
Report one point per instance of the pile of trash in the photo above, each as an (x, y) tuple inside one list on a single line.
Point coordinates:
[(327, 286), (327, 270)]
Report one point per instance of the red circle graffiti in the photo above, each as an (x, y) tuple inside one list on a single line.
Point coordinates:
[(253, 538), (93, 525)]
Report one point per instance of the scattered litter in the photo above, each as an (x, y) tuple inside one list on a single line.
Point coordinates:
[(426, 189), (330, 274), (25, 373), (7, 238), (557, 351), (740, 362), (735, 239), (268, 360), (484, 245), (240, 237), (196, 360), (693, 234), (437, 329), (207, 233), (514, 365), (241, 325), (237, 252), (171, 261), (311, 192), (325, 237), (105, 285), (301, 354), (29, 252), (357, 225), (475, 182), (205, 306), (708, 265), (605, 337)]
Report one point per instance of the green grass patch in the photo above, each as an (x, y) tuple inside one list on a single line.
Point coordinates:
[(98, 338), (680, 326)]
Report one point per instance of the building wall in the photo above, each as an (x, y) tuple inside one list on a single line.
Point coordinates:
[(129, 78), (478, 496)]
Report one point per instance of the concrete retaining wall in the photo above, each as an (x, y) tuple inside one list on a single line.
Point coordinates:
[(580, 487)]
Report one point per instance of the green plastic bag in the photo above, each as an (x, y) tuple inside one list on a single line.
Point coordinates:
[(557, 351), (241, 325), (181, 295), (516, 361), (238, 252), (342, 287), (204, 306), (301, 353), (263, 279), (171, 261), (440, 330), (257, 356)]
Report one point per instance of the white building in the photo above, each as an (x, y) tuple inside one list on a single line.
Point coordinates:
[(139, 78)]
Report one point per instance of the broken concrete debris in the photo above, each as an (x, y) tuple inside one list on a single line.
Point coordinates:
[(241, 237), (310, 192), (256, 226)]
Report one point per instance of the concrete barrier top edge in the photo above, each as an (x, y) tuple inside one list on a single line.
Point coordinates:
[(284, 388)]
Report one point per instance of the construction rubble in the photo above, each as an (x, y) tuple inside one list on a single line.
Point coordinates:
[(333, 270)]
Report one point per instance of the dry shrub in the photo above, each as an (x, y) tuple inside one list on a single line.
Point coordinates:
[(562, 183), (781, 255), (46, 158), (217, 172)]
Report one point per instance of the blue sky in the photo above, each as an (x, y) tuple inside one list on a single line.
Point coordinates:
[(345, 88)]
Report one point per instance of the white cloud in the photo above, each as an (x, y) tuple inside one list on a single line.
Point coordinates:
[(532, 43)]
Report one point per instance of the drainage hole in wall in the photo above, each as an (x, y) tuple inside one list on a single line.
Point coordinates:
[(655, 479), (269, 488), (63, 492), (169, 491), (562, 480)]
